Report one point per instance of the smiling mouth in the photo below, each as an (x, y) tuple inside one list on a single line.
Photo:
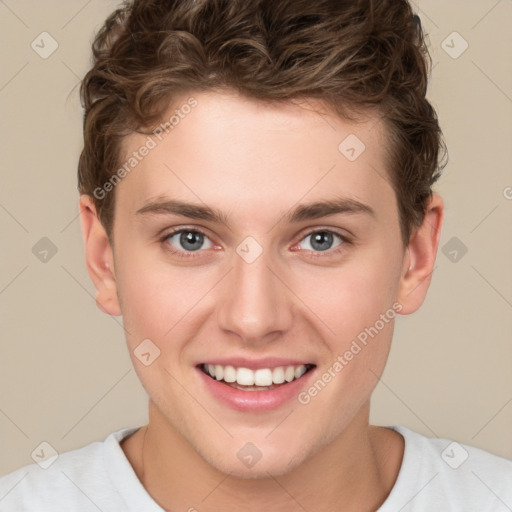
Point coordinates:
[(263, 379)]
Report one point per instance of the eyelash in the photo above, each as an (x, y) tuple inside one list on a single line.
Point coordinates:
[(313, 254)]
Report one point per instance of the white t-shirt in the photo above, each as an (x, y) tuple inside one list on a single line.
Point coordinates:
[(436, 475)]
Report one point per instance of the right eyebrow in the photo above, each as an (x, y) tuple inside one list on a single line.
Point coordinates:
[(191, 210)]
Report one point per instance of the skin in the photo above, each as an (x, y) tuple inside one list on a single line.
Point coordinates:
[(255, 162)]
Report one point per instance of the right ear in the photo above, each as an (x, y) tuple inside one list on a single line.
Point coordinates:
[(99, 258)]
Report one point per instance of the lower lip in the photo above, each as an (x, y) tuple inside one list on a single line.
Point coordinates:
[(254, 401)]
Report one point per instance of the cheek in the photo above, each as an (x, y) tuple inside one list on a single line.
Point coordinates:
[(158, 299), (144, 302), (351, 297), (146, 297), (353, 307), (356, 305)]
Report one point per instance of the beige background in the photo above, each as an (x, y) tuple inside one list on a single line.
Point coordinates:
[(66, 377)]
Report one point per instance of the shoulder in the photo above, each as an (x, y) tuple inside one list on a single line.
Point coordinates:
[(74, 480), (446, 475)]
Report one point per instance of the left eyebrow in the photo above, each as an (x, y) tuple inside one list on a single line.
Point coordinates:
[(325, 208)]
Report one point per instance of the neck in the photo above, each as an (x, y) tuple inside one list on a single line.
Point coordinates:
[(357, 469)]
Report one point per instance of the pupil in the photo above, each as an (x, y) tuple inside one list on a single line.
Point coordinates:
[(195, 240), (321, 241)]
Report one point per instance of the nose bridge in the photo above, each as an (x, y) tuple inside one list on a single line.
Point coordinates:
[(254, 303)]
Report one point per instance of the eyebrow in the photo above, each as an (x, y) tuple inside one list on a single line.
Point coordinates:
[(325, 208), (302, 212), (191, 210)]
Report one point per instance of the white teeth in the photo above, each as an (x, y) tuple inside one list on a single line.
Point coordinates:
[(245, 377), (289, 373), (278, 375), (261, 378), (300, 371), (219, 372), (229, 374)]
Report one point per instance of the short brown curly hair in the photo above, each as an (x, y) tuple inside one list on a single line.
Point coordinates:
[(353, 55)]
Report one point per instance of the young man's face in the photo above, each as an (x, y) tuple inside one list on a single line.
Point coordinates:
[(258, 289)]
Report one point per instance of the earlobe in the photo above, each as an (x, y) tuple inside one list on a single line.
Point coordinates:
[(99, 258), (420, 257)]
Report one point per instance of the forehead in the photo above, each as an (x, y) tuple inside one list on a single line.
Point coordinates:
[(241, 153)]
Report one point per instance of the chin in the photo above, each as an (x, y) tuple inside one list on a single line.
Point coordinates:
[(250, 462), (263, 469)]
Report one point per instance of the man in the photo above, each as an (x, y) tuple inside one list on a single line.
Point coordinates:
[(256, 203)]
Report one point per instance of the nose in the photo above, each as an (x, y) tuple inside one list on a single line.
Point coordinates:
[(255, 304)]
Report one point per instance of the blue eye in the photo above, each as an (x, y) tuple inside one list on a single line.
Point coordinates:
[(188, 240), (322, 240)]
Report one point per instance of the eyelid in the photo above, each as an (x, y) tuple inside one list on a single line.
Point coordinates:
[(171, 234), (334, 254), (165, 235), (335, 233), (167, 232), (344, 235)]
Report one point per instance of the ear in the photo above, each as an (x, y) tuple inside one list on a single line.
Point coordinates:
[(99, 258), (420, 258)]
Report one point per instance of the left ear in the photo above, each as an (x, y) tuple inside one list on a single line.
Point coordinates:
[(420, 258)]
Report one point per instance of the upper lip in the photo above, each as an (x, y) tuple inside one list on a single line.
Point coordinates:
[(256, 364)]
